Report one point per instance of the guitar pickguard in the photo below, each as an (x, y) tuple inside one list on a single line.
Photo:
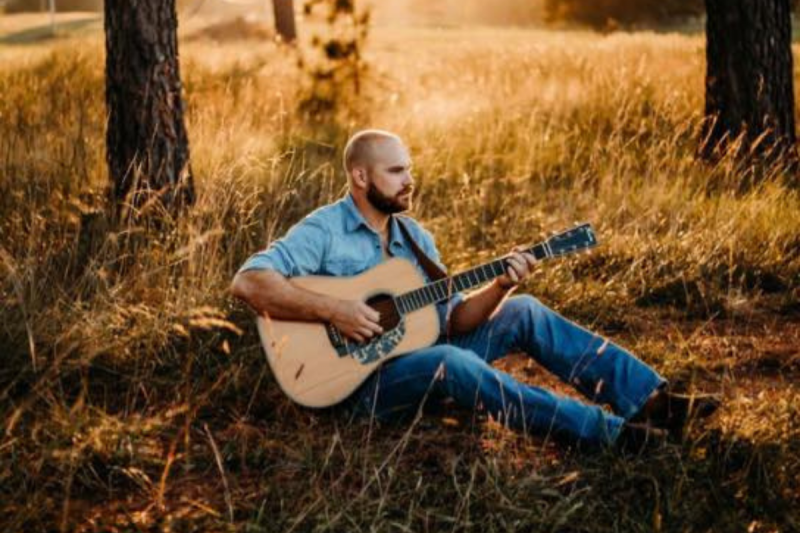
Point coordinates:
[(372, 351)]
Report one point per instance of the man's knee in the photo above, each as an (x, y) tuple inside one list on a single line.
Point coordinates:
[(438, 359), (450, 363), (523, 302), (522, 306)]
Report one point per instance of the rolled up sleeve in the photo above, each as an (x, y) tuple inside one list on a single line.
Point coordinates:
[(299, 253)]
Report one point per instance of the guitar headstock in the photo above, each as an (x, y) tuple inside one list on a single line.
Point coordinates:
[(580, 237)]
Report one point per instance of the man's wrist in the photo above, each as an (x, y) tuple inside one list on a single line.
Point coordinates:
[(326, 308)]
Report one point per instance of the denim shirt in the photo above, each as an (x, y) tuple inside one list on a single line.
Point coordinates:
[(335, 240)]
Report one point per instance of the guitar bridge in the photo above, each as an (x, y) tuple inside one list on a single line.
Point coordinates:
[(368, 352), (338, 340)]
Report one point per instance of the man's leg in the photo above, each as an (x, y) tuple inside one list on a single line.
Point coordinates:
[(601, 370), (401, 385)]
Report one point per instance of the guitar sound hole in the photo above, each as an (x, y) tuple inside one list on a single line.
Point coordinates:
[(390, 319), (386, 306)]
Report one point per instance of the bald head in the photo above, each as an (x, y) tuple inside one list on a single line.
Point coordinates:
[(378, 168), (360, 149)]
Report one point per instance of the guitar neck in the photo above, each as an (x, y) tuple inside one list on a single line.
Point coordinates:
[(443, 289)]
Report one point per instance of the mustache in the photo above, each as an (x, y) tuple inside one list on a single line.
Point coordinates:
[(405, 191)]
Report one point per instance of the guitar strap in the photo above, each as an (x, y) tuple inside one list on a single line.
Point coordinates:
[(430, 267)]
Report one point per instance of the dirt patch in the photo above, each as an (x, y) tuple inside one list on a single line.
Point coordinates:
[(237, 29)]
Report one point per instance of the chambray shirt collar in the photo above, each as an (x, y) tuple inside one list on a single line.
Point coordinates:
[(354, 220)]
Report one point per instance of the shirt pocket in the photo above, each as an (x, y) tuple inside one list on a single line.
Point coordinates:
[(349, 257), (344, 266)]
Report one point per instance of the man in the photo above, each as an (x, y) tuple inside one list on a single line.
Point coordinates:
[(362, 229)]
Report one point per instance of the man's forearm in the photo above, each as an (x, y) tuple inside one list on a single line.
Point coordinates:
[(476, 308), (269, 292)]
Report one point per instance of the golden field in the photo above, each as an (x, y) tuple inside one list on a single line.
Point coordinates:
[(133, 393)]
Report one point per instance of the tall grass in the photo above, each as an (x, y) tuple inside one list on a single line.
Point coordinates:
[(133, 391)]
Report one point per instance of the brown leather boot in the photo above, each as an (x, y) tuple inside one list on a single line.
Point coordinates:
[(673, 411), (639, 438)]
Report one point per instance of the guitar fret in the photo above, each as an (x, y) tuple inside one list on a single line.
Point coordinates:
[(497, 269), (440, 290), (445, 286)]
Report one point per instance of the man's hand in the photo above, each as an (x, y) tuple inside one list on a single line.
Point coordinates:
[(520, 266), (356, 320)]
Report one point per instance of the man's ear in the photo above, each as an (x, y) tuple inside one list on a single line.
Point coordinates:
[(360, 177)]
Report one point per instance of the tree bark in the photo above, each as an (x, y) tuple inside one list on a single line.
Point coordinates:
[(749, 89), (284, 20), (147, 145)]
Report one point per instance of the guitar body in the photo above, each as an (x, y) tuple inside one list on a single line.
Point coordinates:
[(304, 356)]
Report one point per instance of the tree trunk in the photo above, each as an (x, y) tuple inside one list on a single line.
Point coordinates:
[(284, 20), (749, 93), (147, 146)]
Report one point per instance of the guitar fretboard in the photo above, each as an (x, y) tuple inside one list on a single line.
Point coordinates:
[(439, 291)]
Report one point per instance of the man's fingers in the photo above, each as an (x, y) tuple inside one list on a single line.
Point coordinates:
[(519, 265), (515, 260), (366, 322), (513, 275), (371, 313)]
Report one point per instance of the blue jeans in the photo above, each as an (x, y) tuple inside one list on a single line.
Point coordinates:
[(459, 368)]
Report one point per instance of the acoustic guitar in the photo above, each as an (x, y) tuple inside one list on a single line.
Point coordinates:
[(318, 366)]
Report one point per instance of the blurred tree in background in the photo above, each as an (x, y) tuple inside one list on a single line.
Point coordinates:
[(334, 65), (285, 26), (612, 14)]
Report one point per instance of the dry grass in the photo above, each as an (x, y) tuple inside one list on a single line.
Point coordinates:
[(133, 394)]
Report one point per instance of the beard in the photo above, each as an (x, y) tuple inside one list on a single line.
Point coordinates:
[(387, 204)]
